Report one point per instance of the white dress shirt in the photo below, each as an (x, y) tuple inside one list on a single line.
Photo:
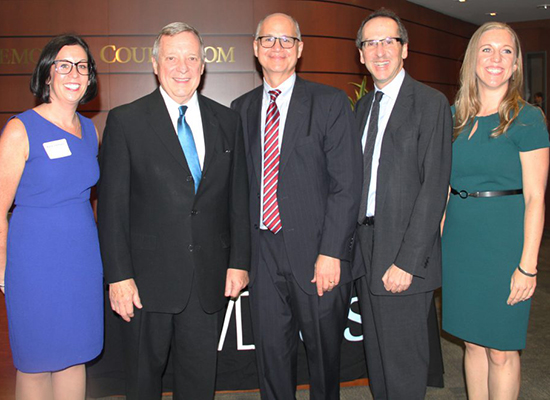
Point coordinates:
[(391, 90), (282, 102), (193, 118)]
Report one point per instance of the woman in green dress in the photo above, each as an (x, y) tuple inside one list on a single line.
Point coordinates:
[(495, 215)]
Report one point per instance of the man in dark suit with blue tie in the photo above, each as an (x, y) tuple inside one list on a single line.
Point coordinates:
[(405, 128), (304, 171), (173, 222)]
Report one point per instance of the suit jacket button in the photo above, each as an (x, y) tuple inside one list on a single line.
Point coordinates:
[(194, 212), (258, 195), (190, 247), (255, 226), (189, 178)]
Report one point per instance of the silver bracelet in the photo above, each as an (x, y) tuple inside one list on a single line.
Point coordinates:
[(530, 275)]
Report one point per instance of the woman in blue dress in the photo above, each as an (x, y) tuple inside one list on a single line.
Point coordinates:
[(50, 266)]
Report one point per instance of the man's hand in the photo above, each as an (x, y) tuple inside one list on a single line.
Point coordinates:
[(124, 296), (327, 273), (396, 280), (236, 280)]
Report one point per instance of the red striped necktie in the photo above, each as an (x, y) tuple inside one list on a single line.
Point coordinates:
[(270, 206)]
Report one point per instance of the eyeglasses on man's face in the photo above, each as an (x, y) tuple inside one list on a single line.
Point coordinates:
[(65, 67), (286, 42), (386, 42)]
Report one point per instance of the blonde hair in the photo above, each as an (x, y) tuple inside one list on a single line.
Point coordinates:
[(467, 103)]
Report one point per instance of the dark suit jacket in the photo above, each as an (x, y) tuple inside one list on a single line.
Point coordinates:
[(319, 177), (412, 185), (152, 226)]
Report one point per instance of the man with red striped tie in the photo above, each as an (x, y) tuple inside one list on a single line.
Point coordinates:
[(304, 171)]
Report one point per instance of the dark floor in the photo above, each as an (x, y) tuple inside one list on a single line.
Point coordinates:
[(535, 358)]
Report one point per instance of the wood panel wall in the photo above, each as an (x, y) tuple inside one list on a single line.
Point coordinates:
[(534, 37), (130, 26)]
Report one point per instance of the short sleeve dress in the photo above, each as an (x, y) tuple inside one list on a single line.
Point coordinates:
[(54, 278), (483, 237)]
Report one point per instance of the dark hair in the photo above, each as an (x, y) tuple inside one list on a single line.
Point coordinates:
[(383, 13), (42, 71)]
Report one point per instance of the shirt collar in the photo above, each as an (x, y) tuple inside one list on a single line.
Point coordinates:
[(285, 87), (392, 89), (171, 104)]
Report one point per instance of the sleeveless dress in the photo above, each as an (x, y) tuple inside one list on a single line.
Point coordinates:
[(54, 278), (483, 237)]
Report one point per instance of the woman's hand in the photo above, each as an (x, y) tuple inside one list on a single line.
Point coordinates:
[(522, 287)]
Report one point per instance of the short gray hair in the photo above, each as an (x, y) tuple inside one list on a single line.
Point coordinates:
[(172, 30), (296, 26), (383, 13)]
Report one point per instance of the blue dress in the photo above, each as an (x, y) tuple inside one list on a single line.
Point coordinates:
[(54, 278)]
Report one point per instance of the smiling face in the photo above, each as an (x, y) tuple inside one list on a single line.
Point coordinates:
[(278, 64), (496, 59), (71, 87), (383, 62), (179, 66)]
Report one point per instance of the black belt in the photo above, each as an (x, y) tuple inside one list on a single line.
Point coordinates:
[(369, 221), (489, 193)]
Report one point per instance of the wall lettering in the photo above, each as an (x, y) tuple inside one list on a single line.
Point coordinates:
[(19, 56), (112, 54)]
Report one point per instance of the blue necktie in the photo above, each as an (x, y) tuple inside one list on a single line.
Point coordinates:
[(185, 135)]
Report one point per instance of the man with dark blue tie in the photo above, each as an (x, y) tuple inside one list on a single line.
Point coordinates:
[(405, 128)]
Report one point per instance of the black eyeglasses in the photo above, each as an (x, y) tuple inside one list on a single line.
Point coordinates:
[(286, 42), (386, 42), (65, 67)]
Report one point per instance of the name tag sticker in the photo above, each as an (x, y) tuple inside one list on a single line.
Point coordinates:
[(57, 149)]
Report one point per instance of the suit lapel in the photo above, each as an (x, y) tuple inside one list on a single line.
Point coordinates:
[(254, 130), (399, 116), (363, 112), (161, 124), (299, 111), (210, 127)]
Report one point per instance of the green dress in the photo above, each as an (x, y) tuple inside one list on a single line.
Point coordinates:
[(483, 237)]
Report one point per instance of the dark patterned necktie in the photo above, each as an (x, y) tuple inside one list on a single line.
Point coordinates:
[(372, 132)]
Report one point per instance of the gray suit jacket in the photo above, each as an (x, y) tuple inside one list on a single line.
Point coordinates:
[(319, 177), (412, 186)]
